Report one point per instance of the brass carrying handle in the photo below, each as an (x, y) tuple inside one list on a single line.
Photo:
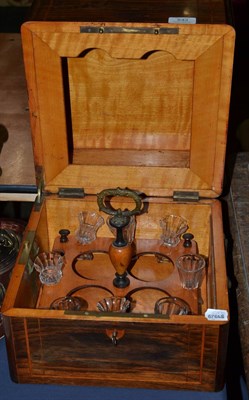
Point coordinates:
[(104, 197)]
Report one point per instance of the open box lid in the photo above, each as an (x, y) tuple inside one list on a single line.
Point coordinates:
[(143, 106)]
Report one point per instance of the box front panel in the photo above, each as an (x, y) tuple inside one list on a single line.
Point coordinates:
[(146, 355)]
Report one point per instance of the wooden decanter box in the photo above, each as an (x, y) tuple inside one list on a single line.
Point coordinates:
[(138, 106)]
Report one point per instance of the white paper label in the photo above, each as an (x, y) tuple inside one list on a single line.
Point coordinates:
[(216, 315), (182, 20)]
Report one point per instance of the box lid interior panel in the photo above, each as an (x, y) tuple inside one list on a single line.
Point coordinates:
[(138, 105)]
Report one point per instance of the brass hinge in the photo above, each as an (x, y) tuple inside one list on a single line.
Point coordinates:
[(40, 188), (134, 30), (70, 193), (185, 196), (40, 195)]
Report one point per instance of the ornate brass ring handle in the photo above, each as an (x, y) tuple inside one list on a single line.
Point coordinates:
[(120, 251), (104, 196)]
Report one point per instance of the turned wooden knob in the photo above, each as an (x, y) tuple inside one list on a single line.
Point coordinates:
[(64, 235)]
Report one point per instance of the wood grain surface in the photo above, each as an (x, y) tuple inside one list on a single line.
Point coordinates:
[(129, 92)]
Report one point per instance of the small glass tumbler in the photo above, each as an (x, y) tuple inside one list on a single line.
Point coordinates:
[(49, 265), (128, 231), (89, 223), (66, 303), (172, 306), (173, 226), (113, 304), (191, 269)]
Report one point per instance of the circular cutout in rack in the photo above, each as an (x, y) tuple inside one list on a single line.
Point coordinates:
[(143, 299), (88, 265), (151, 266), (90, 294)]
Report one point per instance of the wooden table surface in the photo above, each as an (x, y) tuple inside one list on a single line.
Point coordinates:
[(205, 11), (17, 173)]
